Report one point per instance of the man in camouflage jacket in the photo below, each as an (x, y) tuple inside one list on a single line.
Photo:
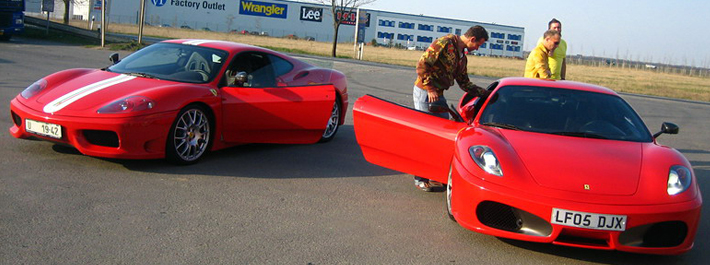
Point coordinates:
[(442, 63)]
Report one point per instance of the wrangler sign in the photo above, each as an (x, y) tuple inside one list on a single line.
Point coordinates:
[(263, 9)]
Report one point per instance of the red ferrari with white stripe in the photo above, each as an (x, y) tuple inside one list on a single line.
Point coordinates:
[(544, 161), (178, 99)]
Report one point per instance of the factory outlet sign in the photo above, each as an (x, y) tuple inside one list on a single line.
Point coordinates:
[(197, 5)]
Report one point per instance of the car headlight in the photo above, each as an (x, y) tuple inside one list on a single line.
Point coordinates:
[(129, 104), (679, 179), (486, 159), (34, 88)]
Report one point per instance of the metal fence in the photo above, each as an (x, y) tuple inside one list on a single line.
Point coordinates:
[(638, 65), (219, 27)]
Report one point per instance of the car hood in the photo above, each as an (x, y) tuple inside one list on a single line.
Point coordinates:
[(89, 91), (596, 166)]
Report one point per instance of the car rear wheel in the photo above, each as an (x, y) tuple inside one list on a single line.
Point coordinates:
[(333, 123), (449, 192), (189, 136)]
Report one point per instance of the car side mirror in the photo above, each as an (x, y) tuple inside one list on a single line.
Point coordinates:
[(241, 78), (438, 108), (667, 127), (114, 58)]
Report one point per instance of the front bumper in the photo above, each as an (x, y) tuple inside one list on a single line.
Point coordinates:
[(140, 137), (484, 207)]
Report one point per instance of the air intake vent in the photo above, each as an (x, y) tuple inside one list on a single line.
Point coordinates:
[(102, 138), (499, 216)]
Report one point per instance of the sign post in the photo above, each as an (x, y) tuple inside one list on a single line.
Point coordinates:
[(360, 24), (142, 21), (48, 6), (103, 23)]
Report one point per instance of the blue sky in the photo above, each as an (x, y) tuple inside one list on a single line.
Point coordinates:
[(671, 31)]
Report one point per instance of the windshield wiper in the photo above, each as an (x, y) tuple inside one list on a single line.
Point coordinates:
[(141, 75), (503, 125), (580, 134)]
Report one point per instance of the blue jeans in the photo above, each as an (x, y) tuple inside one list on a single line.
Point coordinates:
[(421, 102)]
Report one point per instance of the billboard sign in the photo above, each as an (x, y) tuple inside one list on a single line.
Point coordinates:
[(48, 6), (97, 4), (190, 4), (311, 14), (159, 3), (363, 18), (263, 9), (350, 18)]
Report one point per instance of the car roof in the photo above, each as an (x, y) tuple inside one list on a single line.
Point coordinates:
[(564, 84), (218, 44), (235, 47)]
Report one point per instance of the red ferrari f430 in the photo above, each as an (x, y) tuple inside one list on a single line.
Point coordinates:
[(545, 161)]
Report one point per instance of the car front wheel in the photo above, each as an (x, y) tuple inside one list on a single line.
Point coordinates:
[(449, 192), (189, 136)]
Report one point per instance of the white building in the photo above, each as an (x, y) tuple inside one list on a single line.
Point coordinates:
[(281, 18)]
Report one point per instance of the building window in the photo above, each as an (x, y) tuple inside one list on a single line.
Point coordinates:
[(405, 37), (406, 25), (497, 35), (386, 23), (443, 29), (458, 31), (385, 35), (483, 46), (425, 39), (512, 48), (496, 46), (426, 27), (515, 37)]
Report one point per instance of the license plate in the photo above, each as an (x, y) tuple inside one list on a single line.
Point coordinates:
[(43, 128), (589, 220)]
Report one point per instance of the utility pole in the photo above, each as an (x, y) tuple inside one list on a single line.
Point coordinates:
[(103, 23), (141, 22)]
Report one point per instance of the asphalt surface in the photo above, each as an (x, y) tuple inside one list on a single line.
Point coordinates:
[(264, 204)]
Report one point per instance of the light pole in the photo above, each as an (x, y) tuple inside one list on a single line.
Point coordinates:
[(103, 23), (141, 22)]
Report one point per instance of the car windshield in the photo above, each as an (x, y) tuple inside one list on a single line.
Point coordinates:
[(174, 62), (565, 112)]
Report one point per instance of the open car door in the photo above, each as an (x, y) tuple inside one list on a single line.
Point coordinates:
[(289, 115), (405, 139)]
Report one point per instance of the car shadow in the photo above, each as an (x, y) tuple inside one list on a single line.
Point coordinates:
[(692, 151), (606, 256), (338, 158)]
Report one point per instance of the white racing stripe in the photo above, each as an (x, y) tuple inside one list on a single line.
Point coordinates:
[(197, 42), (75, 95)]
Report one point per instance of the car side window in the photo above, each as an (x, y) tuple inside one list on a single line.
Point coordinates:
[(281, 66), (258, 68)]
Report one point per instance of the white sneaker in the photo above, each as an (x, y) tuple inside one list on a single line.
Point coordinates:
[(427, 185)]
